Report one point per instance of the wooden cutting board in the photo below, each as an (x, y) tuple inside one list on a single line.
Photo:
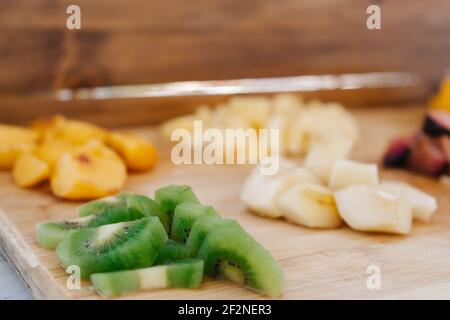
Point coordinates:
[(326, 264)]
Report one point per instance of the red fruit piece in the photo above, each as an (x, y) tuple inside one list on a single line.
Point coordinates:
[(443, 143), (426, 157), (398, 152), (437, 123)]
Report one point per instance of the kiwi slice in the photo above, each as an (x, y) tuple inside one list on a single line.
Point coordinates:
[(143, 204), (112, 247), (183, 274), (231, 253), (202, 226), (171, 196), (172, 251), (148, 208), (103, 204), (184, 217), (50, 234)]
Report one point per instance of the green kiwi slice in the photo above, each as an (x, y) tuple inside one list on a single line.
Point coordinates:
[(172, 251), (183, 274), (171, 196), (103, 204), (232, 254), (202, 226), (184, 217), (51, 233), (148, 208), (113, 247)]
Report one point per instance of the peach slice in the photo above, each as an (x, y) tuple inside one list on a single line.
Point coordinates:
[(47, 127), (13, 141), (73, 131), (79, 132), (29, 170), (138, 153), (88, 174), (52, 149)]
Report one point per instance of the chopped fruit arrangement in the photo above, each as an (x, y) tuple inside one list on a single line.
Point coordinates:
[(427, 151), (350, 192), (81, 160), (129, 242), (296, 119)]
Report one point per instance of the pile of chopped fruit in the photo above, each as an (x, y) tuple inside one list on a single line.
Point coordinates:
[(345, 191), (428, 150), (129, 242), (296, 120), (81, 160)]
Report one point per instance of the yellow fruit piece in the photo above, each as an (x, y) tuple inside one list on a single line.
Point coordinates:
[(442, 99), (138, 153), (79, 132), (73, 131), (47, 127), (29, 170), (88, 174), (13, 141), (52, 149)]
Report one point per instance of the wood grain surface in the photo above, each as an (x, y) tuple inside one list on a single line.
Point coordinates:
[(317, 264), (140, 41)]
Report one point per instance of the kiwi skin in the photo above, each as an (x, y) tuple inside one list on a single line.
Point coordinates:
[(184, 217), (134, 244), (202, 226), (231, 253)]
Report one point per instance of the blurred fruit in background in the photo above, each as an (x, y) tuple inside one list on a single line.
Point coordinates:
[(13, 141), (428, 151), (302, 124), (81, 160), (441, 101)]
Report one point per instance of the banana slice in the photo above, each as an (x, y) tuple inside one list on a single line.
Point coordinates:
[(423, 205), (310, 205), (375, 208), (287, 102), (260, 192), (323, 155), (183, 122), (255, 110), (302, 175), (346, 173)]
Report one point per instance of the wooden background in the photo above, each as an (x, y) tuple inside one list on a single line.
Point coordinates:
[(154, 41)]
